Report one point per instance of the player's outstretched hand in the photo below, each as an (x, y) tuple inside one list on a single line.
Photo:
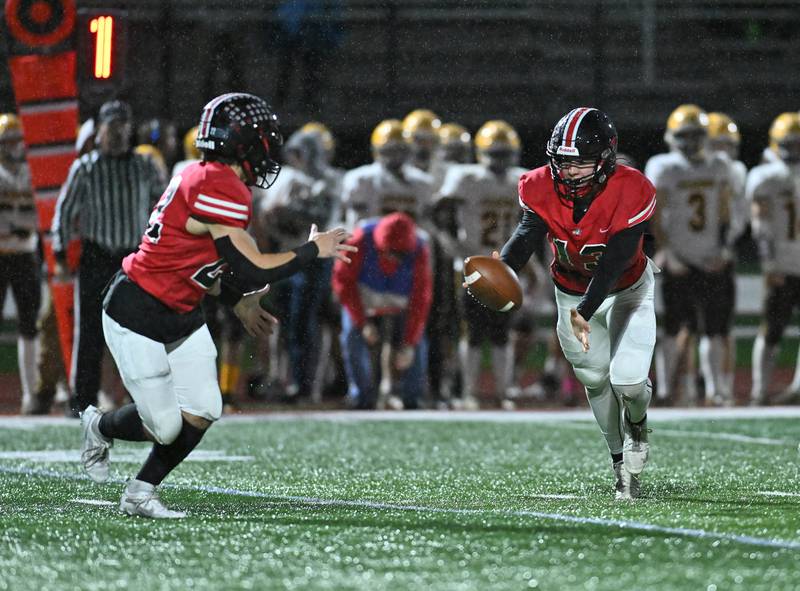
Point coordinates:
[(255, 319), (331, 243), (580, 328)]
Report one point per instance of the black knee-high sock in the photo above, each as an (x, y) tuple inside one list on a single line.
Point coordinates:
[(163, 458), (123, 423)]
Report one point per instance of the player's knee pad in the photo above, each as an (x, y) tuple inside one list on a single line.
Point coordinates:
[(165, 427), (592, 378), (640, 392), (205, 403)]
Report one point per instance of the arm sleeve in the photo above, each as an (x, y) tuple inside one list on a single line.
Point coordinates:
[(527, 239), (621, 248), (419, 303), (230, 291), (250, 276), (67, 207), (345, 281)]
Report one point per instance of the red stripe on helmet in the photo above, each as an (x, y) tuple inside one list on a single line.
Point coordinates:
[(572, 126)]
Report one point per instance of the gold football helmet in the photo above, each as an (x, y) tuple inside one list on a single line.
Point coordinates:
[(11, 146), (687, 117), (784, 136), (496, 134), (421, 122), (687, 130), (455, 143), (389, 145), (497, 145), (10, 127), (453, 133), (387, 131), (190, 151), (723, 134), (328, 143), (720, 125)]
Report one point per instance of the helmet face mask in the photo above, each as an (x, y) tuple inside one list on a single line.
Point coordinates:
[(687, 131), (789, 149), (725, 144), (723, 135), (784, 136), (239, 128), (393, 155), (500, 158), (583, 141), (690, 142)]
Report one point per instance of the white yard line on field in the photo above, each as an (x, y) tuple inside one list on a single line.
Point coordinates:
[(720, 435), (94, 502), (777, 493), (619, 524), (489, 416)]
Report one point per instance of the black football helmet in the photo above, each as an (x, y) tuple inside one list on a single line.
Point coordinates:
[(584, 135), (240, 128)]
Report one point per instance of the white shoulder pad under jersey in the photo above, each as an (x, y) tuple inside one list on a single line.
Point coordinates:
[(776, 187), (692, 198), (291, 184), (373, 191), (17, 210), (769, 155)]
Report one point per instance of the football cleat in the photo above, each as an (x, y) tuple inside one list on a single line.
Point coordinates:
[(141, 499), (621, 492), (636, 448), (94, 450), (627, 486)]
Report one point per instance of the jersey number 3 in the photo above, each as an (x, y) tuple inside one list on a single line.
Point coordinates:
[(156, 222)]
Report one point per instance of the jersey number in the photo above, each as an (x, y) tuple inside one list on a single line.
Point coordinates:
[(208, 274), (698, 220), (156, 222), (592, 252)]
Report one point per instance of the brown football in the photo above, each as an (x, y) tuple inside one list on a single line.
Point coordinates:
[(492, 283)]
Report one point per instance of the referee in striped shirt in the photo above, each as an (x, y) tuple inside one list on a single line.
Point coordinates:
[(105, 201)]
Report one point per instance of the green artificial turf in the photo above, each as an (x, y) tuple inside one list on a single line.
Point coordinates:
[(450, 505)]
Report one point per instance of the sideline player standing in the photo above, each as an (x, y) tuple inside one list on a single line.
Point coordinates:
[(693, 231), (773, 191), (19, 265), (595, 213), (483, 194), (195, 244)]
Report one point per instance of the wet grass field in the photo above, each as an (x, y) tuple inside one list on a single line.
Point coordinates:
[(414, 501)]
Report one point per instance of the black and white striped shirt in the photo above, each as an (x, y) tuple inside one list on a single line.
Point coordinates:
[(106, 200)]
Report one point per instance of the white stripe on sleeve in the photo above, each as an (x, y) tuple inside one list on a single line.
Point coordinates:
[(221, 202), (644, 213), (223, 212)]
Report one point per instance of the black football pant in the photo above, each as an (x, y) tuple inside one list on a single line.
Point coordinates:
[(97, 267)]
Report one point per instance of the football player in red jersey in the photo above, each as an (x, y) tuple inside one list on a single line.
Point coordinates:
[(594, 213), (195, 244)]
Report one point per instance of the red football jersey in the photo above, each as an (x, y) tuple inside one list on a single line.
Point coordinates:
[(628, 199), (173, 265)]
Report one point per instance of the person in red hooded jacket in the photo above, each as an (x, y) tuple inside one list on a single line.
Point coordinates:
[(386, 295)]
